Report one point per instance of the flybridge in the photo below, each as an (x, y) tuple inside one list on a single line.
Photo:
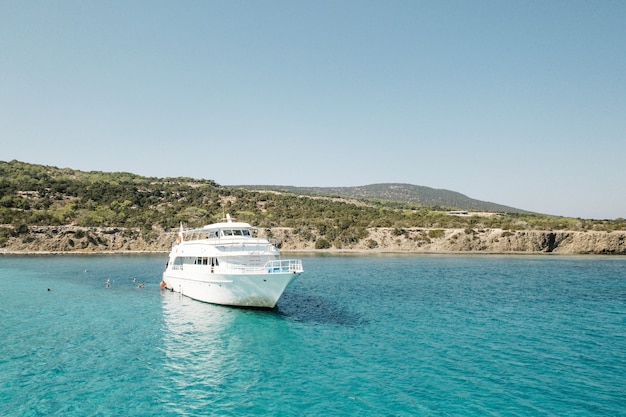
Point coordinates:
[(206, 233), (228, 232), (227, 229), (229, 223)]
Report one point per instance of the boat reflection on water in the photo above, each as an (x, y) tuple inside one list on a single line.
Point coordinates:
[(197, 350), (214, 353)]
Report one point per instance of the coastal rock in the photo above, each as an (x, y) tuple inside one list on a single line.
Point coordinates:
[(71, 239)]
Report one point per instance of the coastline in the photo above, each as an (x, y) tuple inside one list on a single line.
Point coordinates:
[(310, 252), (70, 240), (92, 253)]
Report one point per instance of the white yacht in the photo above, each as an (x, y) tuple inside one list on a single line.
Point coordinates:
[(224, 263)]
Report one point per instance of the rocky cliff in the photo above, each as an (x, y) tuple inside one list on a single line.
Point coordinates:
[(68, 239)]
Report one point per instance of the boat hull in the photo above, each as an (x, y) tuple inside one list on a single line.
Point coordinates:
[(260, 290)]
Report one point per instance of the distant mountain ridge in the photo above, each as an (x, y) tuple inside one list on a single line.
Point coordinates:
[(396, 192)]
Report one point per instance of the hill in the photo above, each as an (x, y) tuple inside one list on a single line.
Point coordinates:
[(396, 192), (61, 209)]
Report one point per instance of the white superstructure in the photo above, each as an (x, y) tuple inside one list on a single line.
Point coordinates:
[(224, 263)]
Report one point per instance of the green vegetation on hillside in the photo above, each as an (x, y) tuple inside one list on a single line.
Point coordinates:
[(44, 195), (418, 195)]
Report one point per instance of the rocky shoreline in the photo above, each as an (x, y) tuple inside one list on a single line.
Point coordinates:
[(100, 240)]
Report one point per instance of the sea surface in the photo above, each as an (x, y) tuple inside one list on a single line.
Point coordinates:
[(354, 335)]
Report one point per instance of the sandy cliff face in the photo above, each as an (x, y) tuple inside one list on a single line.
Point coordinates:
[(416, 240), (87, 240), (490, 241), (561, 242)]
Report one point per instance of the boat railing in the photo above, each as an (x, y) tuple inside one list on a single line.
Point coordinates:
[(284, 265), (271, 267), (243, 247)]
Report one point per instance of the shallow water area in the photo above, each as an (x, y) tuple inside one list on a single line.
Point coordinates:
[(354, 335)]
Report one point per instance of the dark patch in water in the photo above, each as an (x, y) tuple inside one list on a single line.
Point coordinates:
[(314, 309)]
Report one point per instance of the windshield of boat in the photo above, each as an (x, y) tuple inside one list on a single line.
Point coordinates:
[(236, 232)]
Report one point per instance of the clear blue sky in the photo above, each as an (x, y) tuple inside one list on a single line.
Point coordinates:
[(521, 103)]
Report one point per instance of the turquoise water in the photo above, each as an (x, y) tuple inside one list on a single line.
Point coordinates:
[(355, 335)]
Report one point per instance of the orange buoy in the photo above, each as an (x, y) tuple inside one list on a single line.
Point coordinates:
[(163, 284)]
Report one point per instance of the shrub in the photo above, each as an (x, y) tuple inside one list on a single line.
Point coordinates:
[(436, 233), (22, 229), (322, 243), (371, 244), (398, 231)]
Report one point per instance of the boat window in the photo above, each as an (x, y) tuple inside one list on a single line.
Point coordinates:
[(228, 232), (213, 234), (246, 232), (237, 233), (201, 261), (178, 263)]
